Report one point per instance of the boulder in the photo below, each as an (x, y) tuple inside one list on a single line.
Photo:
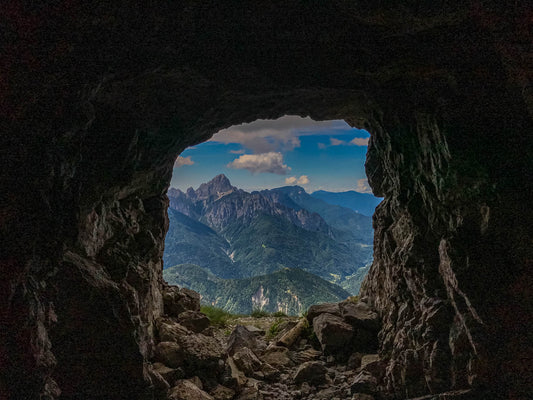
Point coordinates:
[(362, 396), (333, 333), (194, 321), (177, 300), (302, 356), (171, 375), (364, 382), (246, 361), (313, 372), (359, 315), (240, 338), (222, 393), (159, 383), (169, 353), (372, 364), (169, 330), (277, 356), (293, 334), (186, 390), (317, 309)]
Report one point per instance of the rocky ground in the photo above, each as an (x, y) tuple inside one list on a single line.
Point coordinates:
[(329, 354)]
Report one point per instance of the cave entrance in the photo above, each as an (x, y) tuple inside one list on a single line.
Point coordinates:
[(272, 215)]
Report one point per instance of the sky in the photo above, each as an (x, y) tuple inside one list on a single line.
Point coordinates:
[(291, 150)]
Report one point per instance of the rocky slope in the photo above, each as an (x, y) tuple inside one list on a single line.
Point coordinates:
[(98, 99), (330, 353)]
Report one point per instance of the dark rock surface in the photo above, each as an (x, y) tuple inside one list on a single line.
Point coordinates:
[(98, 100)]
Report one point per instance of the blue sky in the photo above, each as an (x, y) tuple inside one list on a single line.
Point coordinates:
[(264, 154)]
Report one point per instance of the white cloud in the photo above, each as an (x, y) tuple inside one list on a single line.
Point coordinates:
[(181, 161), (241, 151), (322, 146), (363, 186), (354, 142), (282, 134), (360, 141), (293, 180), (337, 142), (271, 162)]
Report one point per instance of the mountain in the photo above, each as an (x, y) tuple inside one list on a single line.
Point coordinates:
[(348, 225), (234, 235), (363, 203), (290, 290)]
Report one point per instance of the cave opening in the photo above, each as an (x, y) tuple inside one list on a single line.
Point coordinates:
[(272, 215)]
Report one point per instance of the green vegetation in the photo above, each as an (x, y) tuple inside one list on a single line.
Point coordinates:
[(279, 314), (294, 288), (257, 313), (217, 316), (274, 329)]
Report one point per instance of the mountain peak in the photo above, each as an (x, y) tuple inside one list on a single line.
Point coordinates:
[(218, 186)]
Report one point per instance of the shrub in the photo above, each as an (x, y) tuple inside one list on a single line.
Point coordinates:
[(279, 314), (274, 329), (217, 316), (258, 313)]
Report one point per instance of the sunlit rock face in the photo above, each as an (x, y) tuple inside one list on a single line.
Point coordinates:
[(97, 102)]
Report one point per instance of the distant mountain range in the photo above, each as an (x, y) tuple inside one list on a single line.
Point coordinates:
[(290, 290), (227, 244), (362, 203)]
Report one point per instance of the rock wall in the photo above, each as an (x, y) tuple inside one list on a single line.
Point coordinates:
[(97, 100)]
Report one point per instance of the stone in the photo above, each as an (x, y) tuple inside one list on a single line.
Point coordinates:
[(302, 356), (364, 382), (158, 381), (239, 338), (317, 309), (171, 375), (312, 372), (170, 354), (333, 333), (373, 364), (354, 361), (170, 330), (222, 393), (234, 378), (177, 300), (362, 396), (186, 390), (246, 361), (289, 337), (277, 356), (194, 321), (360, 315)]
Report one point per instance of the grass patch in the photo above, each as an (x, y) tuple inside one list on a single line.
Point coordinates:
[(279, 314), (217, 316), (257, 313), (274, 329)]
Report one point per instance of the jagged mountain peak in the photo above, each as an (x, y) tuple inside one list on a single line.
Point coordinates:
[(218, 186)]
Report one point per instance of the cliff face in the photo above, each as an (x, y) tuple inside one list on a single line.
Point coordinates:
[(98, 100)]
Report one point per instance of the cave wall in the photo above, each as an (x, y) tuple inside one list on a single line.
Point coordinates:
[(98, 100)]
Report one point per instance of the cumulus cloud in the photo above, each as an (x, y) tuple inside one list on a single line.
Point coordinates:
[(354, 142), (363, 186), (294, 180), (282, 134), (359, 141), (337, 142), (271, 162), (181, 161)]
